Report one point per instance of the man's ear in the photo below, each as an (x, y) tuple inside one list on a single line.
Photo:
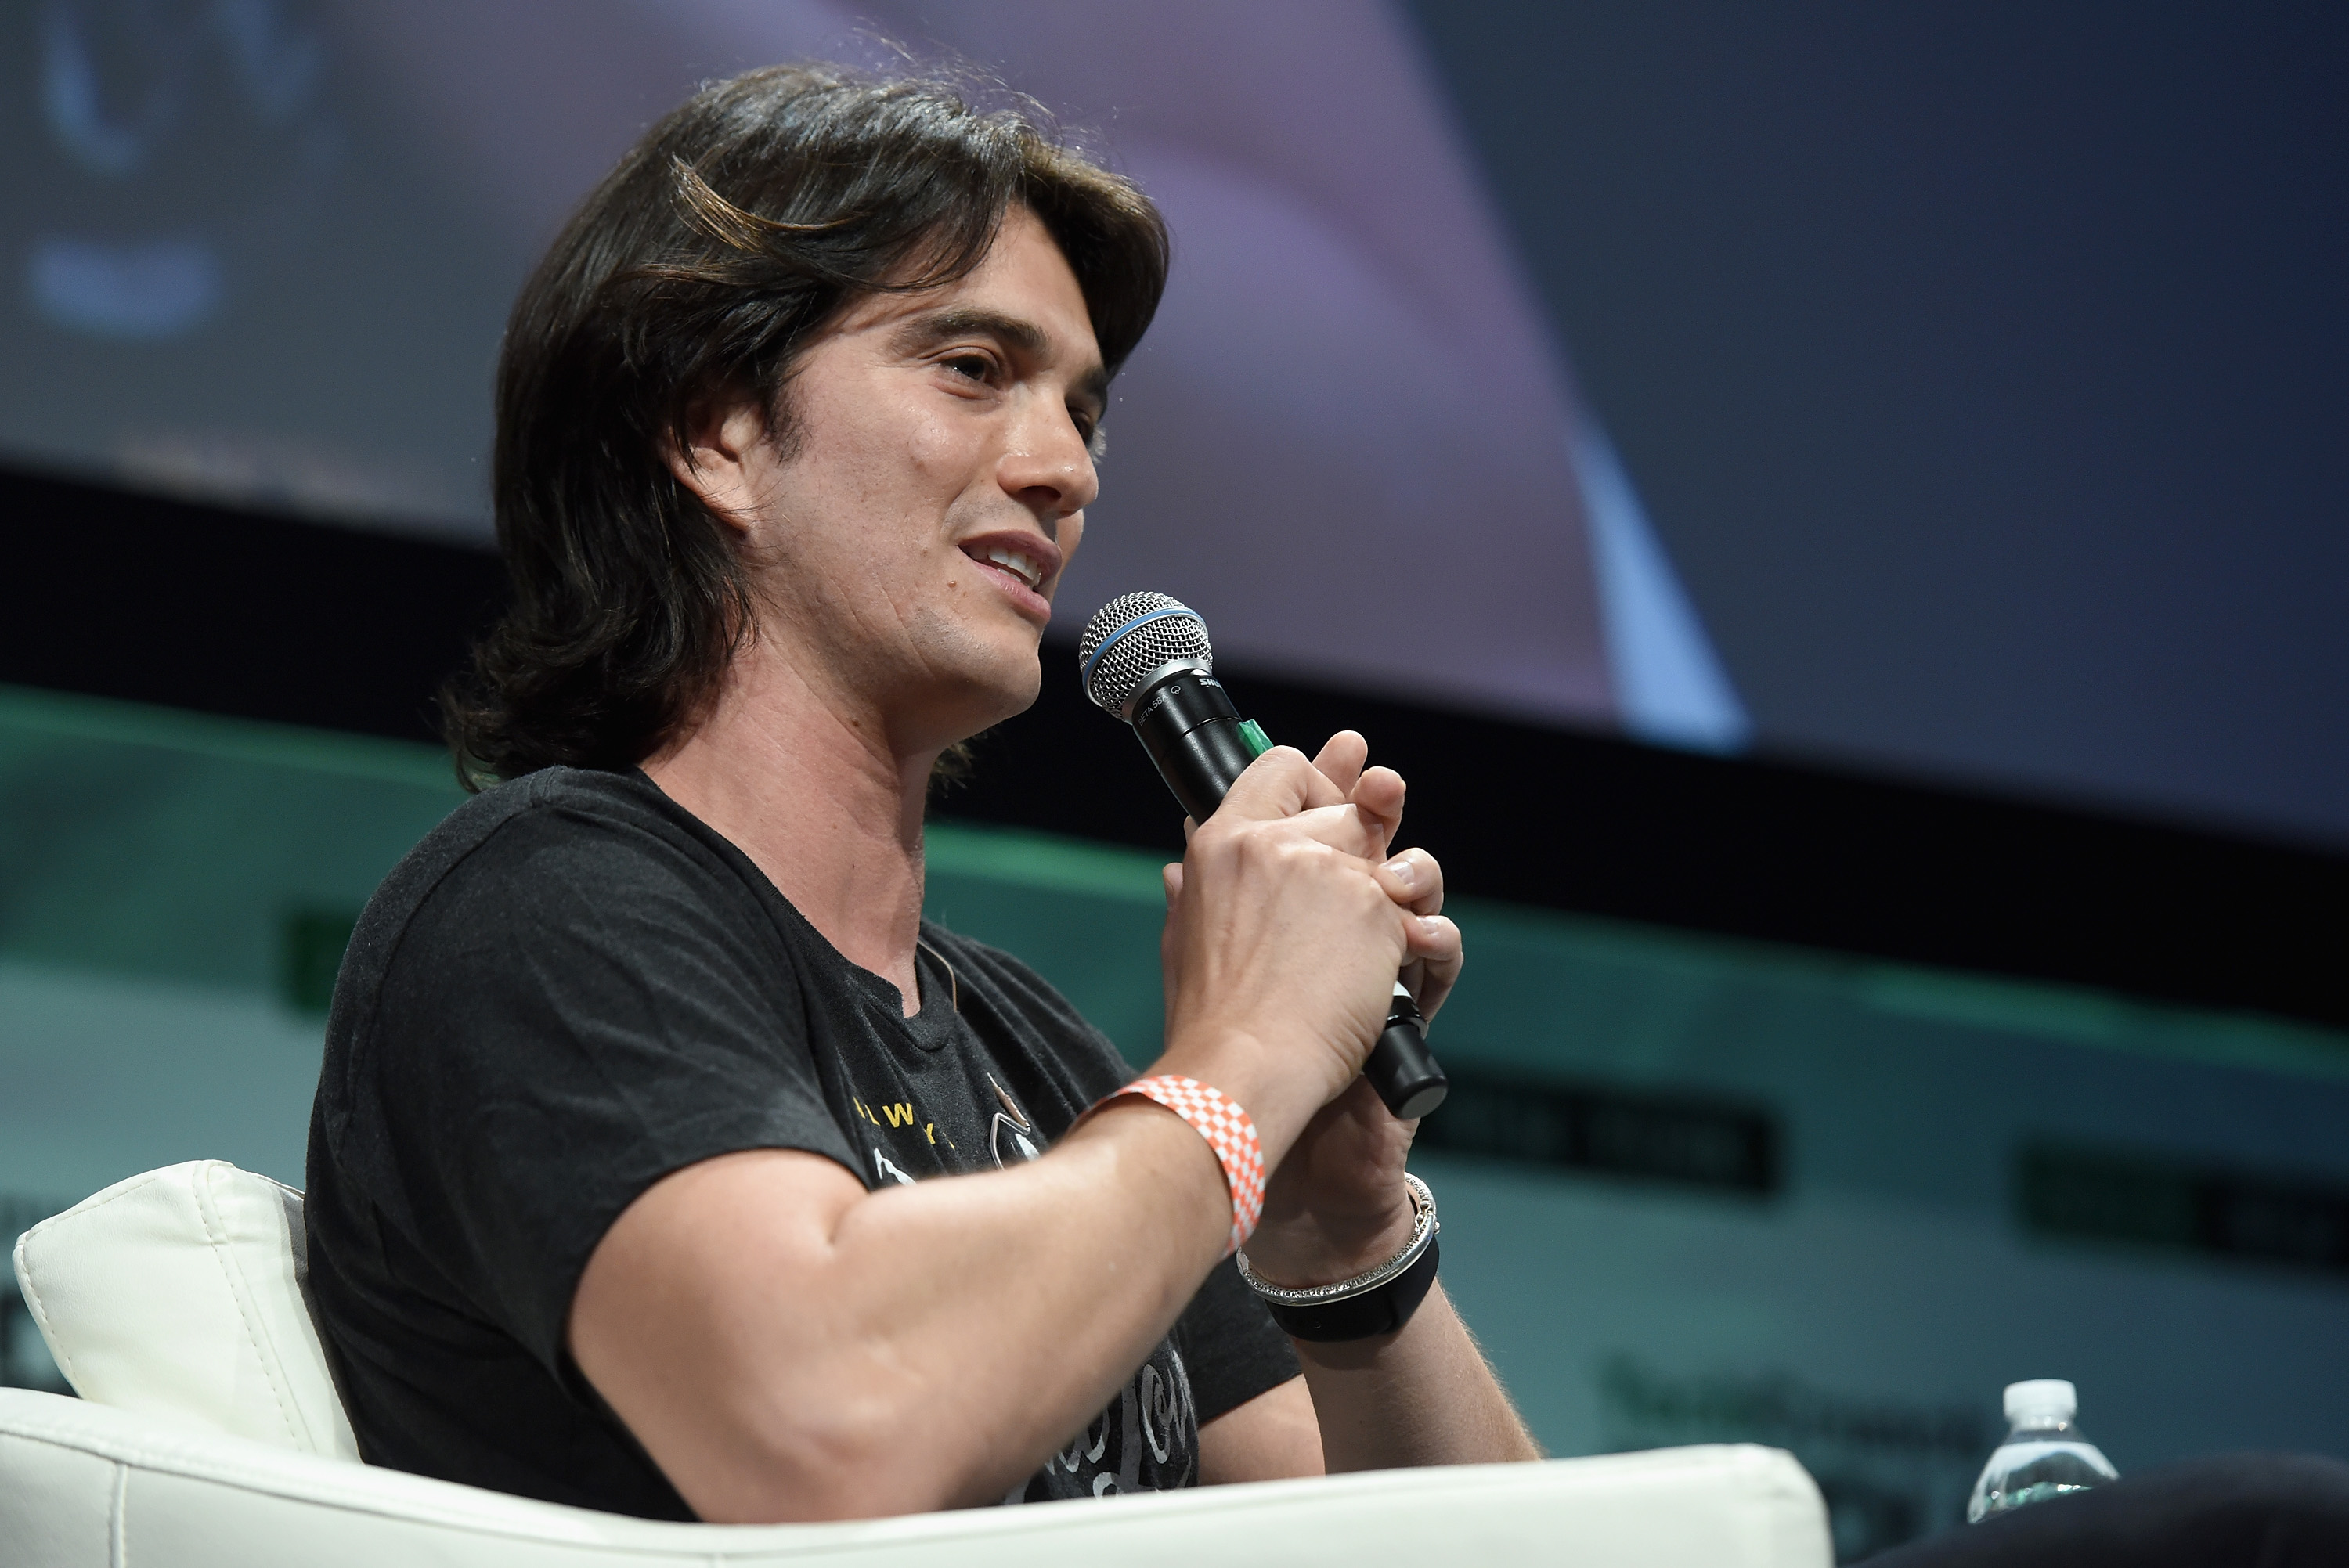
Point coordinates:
[(715, 464)]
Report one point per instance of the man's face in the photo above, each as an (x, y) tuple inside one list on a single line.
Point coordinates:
[(906, 541)]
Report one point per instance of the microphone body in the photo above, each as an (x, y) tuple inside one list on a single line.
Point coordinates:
[(1188, 724), (1196, 738)]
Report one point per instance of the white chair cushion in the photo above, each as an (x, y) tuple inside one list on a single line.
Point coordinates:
[(177, 1295), (84, 1487)]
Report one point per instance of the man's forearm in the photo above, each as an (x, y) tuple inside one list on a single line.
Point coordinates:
[(942, 1338), (1421, 1397)]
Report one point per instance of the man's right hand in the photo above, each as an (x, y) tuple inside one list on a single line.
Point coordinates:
[(1282, 944)]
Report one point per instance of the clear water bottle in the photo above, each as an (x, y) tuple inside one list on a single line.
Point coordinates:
[(2044, 1456)]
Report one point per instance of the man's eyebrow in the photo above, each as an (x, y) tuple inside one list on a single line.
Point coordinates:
[(937, 327)]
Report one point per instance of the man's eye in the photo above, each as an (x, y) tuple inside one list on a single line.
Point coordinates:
[(975, 366)]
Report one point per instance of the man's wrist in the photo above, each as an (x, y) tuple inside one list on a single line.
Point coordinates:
[(1179, 1162), (1243, 1067), (1316, 1248), (1372, 1304), (1226, 1129), (1383, 1353)]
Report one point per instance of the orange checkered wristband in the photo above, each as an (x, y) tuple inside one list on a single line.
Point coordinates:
[(1219, 1120)]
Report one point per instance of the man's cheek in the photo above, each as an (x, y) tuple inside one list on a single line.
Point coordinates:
[(940, 452)]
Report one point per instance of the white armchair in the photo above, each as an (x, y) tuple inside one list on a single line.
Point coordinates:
[(208, 1433)]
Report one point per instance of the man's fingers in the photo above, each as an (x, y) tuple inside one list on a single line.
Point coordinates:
[(1414, 880), (1171, 874), (1346, 827), (1433, 937), (1341, 759), (1377, 796), (1380, 791), (1280, 783), (1435, 962), (1376, 790)]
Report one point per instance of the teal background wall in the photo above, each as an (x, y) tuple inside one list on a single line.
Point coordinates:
[(173, 890)]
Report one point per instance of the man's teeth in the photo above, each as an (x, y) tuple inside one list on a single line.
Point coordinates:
[(1020, 566)]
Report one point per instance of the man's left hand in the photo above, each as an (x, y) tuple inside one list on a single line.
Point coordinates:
[(1336, 1205), (1411, 878)]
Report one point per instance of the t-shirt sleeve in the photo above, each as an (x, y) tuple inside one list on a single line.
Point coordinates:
[(580, 1006), (1231, 1346)]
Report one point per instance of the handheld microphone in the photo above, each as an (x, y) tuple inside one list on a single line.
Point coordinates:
[(1145, 658)]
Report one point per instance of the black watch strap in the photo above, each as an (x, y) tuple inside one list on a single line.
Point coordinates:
[(1365, 1317)]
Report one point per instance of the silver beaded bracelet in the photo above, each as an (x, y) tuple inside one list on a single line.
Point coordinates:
[(1423, 1227)]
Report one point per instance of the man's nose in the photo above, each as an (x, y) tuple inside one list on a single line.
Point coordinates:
[(1047, 467)]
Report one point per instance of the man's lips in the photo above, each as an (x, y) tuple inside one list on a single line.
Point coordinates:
[(1027, 562)]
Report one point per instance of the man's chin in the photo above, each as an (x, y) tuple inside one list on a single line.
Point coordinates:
[(1017, 694), (1004, 690)]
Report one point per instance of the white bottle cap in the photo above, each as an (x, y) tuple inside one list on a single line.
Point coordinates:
[(2042, 1402)]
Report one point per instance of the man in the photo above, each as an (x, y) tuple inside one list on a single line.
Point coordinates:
[(664, 1159)]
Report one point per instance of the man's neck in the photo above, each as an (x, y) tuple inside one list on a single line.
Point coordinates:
[(804, 780)]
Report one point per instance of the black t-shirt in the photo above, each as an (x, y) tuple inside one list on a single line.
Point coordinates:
[(572, 988)]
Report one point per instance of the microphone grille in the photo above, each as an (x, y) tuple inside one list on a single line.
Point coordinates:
[(1132, 636)]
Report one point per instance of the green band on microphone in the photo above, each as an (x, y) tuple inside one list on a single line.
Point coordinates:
[(1252, 735)]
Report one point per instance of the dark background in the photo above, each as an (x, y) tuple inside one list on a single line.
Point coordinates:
[(150, 600), (1981, 365)]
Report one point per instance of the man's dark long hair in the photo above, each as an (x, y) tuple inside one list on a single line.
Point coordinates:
[(738, 229)]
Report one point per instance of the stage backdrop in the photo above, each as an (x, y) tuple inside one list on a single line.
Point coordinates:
[(1977, 367), (266, 249)]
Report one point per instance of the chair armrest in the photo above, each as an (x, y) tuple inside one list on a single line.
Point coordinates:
[(82, 1485)]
